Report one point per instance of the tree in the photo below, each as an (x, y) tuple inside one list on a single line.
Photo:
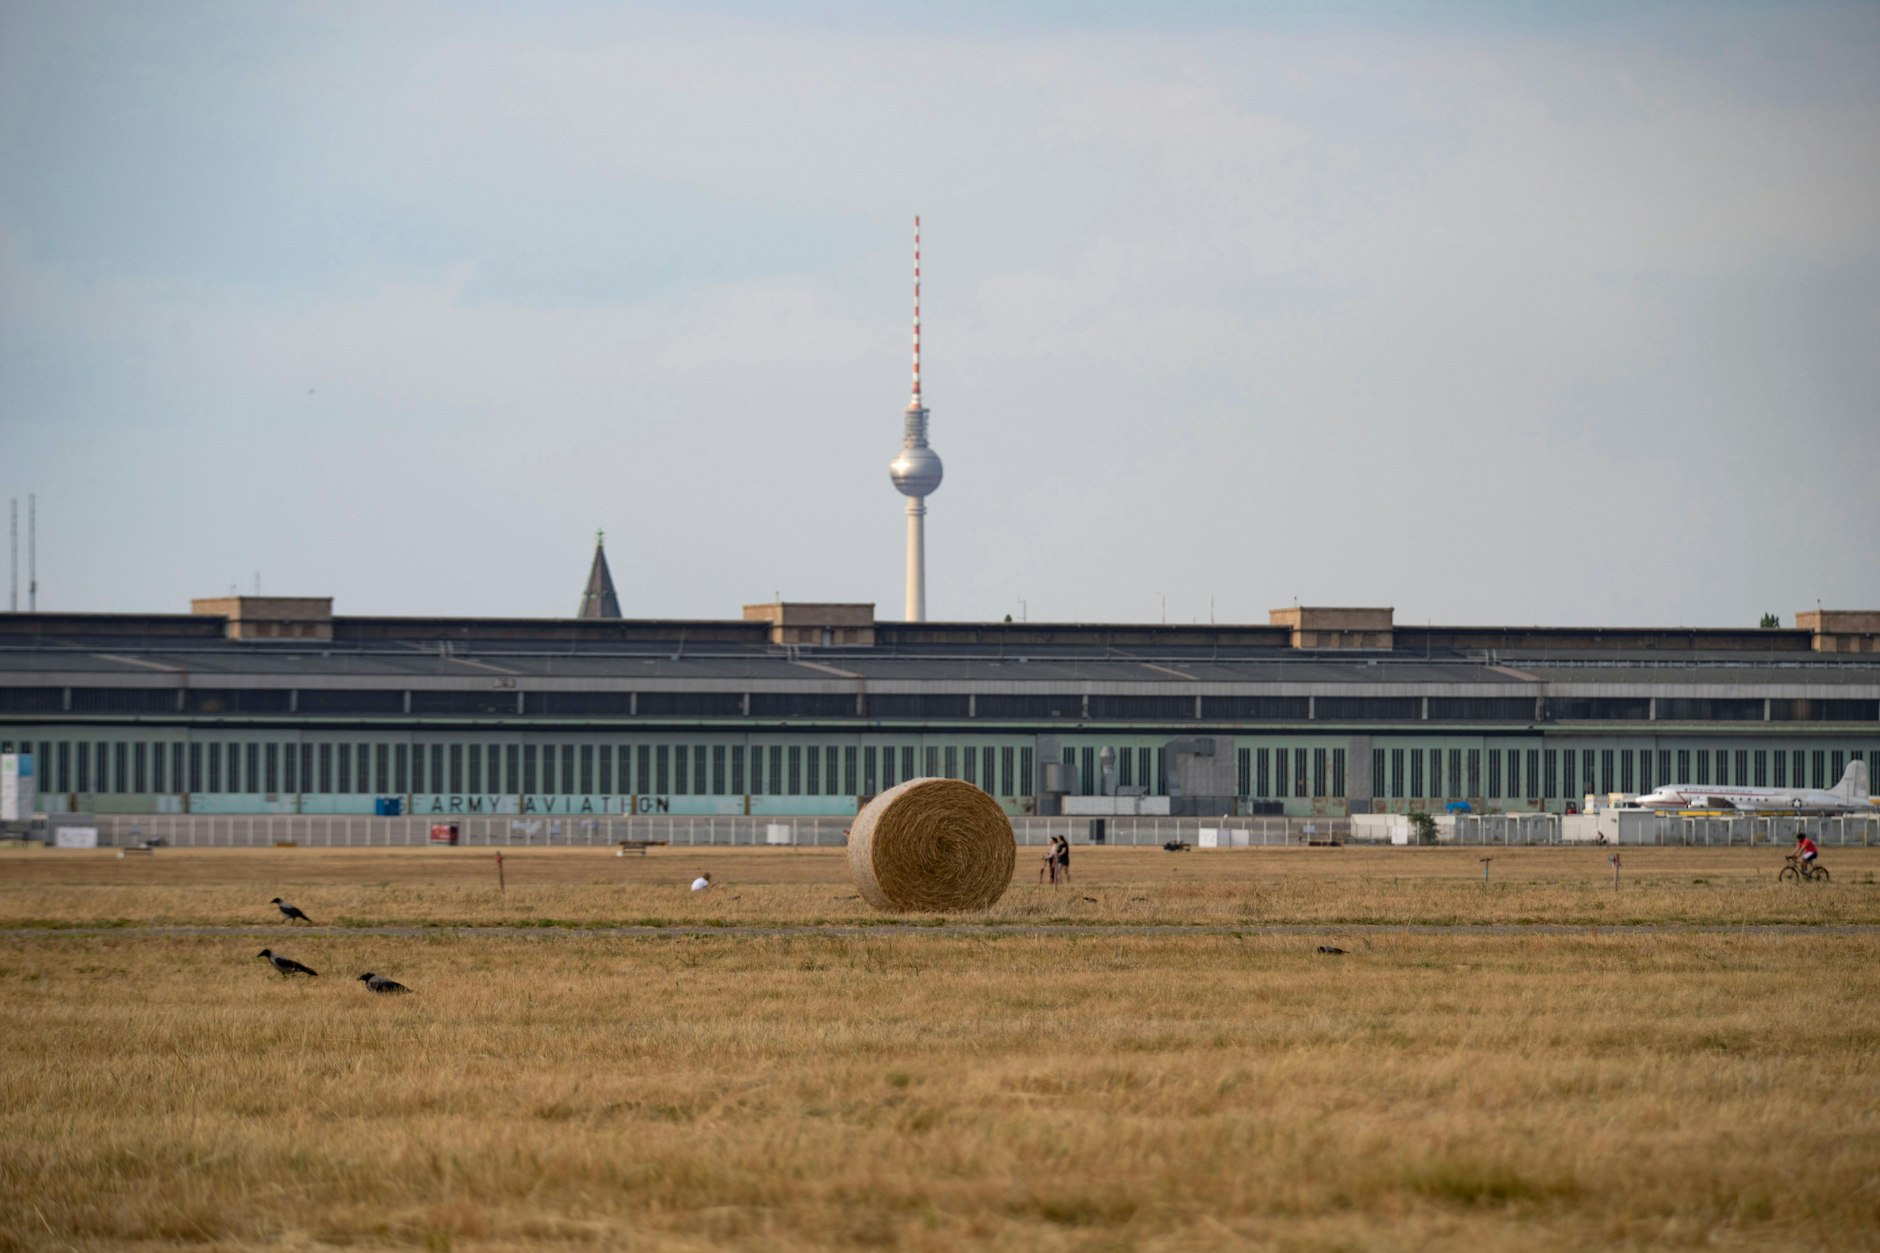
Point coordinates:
[(1770, 621), (1423, 827)]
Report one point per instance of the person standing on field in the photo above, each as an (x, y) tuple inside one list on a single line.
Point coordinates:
[(1063, 859)]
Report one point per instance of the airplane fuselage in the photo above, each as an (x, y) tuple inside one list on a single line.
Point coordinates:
[(1849, 795), (1757, 800)]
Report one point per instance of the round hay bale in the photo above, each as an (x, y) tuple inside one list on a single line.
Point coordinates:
[(932, 844)]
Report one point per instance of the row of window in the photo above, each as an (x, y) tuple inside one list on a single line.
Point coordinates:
[(1137, 770), (138, 767), (1276, 773), (504, 703), (1566, 773)]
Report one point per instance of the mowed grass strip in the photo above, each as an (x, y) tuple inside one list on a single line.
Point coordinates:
[(587, 888), (937, 1091)]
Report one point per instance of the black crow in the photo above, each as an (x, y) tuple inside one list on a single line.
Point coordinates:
[(286, 965), (289, 910), (1331, 951), (382, 985)]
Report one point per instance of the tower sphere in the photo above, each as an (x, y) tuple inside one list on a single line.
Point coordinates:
[(916, 470)]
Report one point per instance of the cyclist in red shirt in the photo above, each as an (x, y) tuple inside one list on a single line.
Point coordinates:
[(1805, 847)]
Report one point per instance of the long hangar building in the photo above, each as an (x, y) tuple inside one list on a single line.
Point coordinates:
[(254, 705)]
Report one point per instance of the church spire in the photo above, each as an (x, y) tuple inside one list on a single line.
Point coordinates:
[(598, 600)]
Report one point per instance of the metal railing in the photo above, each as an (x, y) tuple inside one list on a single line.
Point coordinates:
[(1838, 830), (1505, 829), (343, 831)]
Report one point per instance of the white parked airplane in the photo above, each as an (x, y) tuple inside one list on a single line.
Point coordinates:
[(1849, 794)]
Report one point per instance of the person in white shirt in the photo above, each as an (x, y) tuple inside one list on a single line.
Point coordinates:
[(702, 882)]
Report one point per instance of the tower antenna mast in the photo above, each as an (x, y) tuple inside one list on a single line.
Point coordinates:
[(914, 403)]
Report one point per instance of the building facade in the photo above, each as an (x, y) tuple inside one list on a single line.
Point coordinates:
[(810, 709)]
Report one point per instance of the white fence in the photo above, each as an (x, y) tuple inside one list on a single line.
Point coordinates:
[(1500, 829), (328, 830), (320, 831), (1862, 829)]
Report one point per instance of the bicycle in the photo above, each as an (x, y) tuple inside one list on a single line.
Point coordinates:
[(1797, 871)]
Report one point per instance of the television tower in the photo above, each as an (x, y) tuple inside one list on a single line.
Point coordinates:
[(916, 472)]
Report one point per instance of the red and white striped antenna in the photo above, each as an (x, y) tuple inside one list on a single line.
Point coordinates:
[(915, 402)]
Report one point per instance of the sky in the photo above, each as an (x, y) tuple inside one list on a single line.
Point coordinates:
[(1488, 312)]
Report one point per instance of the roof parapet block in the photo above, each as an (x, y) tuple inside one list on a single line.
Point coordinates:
[(1842, 630), (1316, 627), (817, 625), (270, 617)]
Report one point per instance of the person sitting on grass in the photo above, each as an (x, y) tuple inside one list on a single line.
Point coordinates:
[(1806, 850), (702, 882)]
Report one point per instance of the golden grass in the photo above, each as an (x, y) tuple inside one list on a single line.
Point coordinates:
[(929, 1091), (939, 1088), (808, 887)]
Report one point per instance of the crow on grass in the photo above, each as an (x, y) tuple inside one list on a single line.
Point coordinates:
[(289, 910), (382, 985), (286, 965)]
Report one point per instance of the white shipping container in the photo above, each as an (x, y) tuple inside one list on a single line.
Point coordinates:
[(1114, 806), (1392, 827), (19, 790), (1579, 828)]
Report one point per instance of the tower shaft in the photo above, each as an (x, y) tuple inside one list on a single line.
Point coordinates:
[(916, 558)]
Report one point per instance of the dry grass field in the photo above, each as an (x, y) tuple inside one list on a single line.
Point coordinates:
[(808, 887), (1170, 1065)]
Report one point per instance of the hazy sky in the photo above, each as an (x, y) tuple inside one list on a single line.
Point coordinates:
[(1489, 312)]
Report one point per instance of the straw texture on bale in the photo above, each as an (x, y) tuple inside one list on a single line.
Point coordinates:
[(932, 844)]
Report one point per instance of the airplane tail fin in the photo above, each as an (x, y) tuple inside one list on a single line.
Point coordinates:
[(1853, 784)]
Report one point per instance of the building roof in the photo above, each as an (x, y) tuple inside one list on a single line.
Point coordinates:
[(124, 651)]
